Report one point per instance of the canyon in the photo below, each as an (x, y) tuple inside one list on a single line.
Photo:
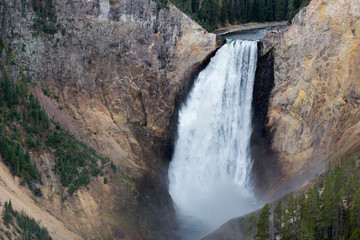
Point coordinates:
[(306, 102), (115, 74), (313, 114)]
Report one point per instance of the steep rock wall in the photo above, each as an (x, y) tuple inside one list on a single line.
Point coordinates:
[(130, 60), (118, 69), (306, 93), (265, 170), (314, 106)]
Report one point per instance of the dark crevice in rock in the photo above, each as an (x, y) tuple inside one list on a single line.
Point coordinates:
[(153, 186), (181, 97), (140, 96), (163, 147), (159, 214), (266, 169)]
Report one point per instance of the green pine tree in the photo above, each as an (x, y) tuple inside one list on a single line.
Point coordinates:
[(290, 219), (277, 219), (195, 6), (305, 233), (270, 10), (263, 224), (7, 213), (280, 10), (355, 211), (261, 11), (224, 12), (251, 229)]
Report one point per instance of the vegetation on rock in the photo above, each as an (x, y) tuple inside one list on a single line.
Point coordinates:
[(20, 226), (328, 210), (263, 224), (46, 20), (25, 127)]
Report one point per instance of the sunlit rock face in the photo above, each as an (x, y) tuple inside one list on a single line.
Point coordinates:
[(129, 57), (314, 106), (119, 68)]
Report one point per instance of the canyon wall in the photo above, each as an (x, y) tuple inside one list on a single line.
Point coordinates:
[(314, 112), (306, 101), (114, 73), (265, 169)]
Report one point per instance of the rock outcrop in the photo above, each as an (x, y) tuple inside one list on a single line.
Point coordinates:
[(10, 189), (119, 68), (312, 112), (314, 108)]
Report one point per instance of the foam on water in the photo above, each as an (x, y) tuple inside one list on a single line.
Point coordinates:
[(209, 172)]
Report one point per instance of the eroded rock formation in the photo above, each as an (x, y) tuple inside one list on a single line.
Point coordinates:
[(118, 69), (314, 109), (313, 113)]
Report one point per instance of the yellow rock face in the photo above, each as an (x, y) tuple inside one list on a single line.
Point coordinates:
[(315, 105)]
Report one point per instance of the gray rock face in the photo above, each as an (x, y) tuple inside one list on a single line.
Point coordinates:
[(134, 58), (119, 66), (314, 105)]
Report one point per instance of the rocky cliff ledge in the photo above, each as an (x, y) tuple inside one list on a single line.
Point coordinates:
[(312, 112), (314, 107), (119, 68)]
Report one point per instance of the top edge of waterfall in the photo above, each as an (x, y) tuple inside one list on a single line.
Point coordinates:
[(231, 40)]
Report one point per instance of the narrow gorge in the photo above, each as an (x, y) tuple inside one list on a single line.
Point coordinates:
[(124, 119)]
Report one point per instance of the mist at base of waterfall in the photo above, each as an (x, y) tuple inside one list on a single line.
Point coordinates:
[(227, 202), (209, 175)]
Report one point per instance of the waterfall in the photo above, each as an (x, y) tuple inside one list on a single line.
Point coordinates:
[(209, 172), (104, 9)]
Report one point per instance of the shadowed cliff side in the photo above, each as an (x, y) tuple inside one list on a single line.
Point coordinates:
[(265, 171)]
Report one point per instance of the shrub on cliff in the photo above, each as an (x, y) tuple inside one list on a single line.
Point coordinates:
[(46, 19), (25, 126)]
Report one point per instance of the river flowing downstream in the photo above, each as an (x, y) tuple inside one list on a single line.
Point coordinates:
[(209, 174)]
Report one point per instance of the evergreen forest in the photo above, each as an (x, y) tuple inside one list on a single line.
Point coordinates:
[(328, 210), (18, 225), (212, 14), (25, 127)]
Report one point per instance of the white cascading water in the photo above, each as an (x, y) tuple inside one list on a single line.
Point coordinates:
[(209, 172)]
